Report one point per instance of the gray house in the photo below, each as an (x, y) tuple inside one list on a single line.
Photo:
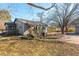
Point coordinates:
[(76, 24), (22, 26)]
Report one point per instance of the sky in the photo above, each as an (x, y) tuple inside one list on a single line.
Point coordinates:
[(22, 10)]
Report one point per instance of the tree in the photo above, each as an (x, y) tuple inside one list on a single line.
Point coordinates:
[(64, 15), (40, 7), (4, 15)]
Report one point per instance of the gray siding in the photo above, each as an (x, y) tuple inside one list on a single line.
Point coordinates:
[(20, 27), (77, 28)]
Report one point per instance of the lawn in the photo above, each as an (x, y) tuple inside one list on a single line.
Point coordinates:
[(19, 47)]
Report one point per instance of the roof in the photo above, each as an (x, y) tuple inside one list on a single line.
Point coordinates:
[(10, 23), (21, 20), (29, 21)]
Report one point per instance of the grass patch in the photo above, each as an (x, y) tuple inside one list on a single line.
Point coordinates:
[(37, 48)]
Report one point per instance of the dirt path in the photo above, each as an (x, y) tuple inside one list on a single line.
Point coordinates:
[(70, 39)]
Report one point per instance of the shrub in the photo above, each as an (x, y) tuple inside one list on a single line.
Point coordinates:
[(71, 30), (28, 37)]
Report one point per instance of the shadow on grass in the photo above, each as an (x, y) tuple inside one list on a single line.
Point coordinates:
[(72, 33), (53, 41), (8, 35)]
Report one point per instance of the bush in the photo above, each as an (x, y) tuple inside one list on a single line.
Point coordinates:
[(28, 37), (71, 30)]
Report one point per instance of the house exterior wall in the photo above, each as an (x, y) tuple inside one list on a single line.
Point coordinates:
[(10, 28), (77, 29), (20, 27), (26, 29)]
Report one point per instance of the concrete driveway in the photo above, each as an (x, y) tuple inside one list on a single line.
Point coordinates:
[(70, 39)]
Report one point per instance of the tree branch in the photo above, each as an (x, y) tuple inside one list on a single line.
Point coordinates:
[(40, 7)]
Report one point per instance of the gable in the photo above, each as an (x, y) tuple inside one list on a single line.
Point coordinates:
[(28, 21)]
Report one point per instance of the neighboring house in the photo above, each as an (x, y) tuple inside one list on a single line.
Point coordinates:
[(76, 24), (22, 26)]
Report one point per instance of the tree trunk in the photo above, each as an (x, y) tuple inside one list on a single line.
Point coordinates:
[(62, 30), (66, 29)]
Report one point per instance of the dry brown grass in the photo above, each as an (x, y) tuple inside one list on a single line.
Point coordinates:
[(36, 48)]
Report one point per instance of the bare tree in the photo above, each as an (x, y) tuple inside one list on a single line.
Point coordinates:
[(4, 15), (40, 7), (64, 15)]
